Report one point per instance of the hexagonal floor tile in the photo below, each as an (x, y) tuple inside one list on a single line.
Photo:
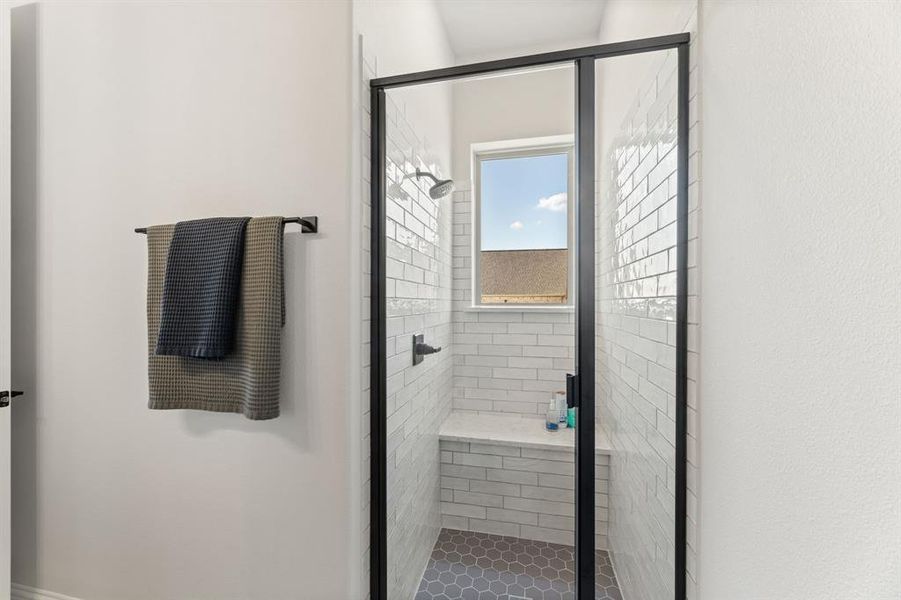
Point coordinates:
[(465, 565)]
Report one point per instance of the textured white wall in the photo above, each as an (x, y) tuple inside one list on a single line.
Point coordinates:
[(147, 113), (800, 435)]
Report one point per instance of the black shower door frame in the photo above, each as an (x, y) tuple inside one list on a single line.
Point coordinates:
[(584, 61)]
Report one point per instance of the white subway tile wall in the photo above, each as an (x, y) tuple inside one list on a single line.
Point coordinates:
[(418, 291), (636, 334), (505, 361), (693, 322), (516, 491), (367, 72)]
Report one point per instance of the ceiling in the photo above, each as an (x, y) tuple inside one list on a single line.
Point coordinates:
[(485, 29)]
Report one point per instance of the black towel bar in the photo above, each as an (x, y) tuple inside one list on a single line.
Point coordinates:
[(307, 224)]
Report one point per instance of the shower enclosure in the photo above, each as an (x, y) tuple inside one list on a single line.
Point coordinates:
[(454, 478)]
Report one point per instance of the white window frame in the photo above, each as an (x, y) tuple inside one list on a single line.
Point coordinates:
[(517, 148)]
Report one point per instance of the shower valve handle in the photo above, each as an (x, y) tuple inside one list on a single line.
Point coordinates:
[(421, 349), (426, 349)]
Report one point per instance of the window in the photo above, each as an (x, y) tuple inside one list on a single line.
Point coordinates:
[(523, 222)]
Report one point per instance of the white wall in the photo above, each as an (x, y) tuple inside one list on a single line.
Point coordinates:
[(506, 361), (149, 113), (5, 297), (800, 435), (522, 104), (400, 36)]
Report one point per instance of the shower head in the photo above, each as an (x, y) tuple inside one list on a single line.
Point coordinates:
[(442, 187)]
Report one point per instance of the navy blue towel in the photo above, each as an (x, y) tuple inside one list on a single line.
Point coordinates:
[(200, 291)]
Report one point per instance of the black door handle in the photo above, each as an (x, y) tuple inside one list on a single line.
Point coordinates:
[(5, 397), (572, 390)]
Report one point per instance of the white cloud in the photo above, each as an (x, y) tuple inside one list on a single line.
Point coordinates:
[(517, 225), (555, 202)]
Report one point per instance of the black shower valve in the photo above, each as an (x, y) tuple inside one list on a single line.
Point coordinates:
[(421, 349)]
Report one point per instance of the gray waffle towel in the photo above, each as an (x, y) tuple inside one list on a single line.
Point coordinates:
[(200, 292), (247, 380)]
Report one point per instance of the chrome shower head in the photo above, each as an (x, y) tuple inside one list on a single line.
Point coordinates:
[(442, 187)]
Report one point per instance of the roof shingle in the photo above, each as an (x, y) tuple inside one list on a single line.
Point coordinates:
[(533, 273)]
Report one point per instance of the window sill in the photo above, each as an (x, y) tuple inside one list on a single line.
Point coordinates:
[(530, 308)]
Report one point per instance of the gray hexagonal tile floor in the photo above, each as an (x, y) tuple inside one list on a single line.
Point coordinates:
[(466, 565)]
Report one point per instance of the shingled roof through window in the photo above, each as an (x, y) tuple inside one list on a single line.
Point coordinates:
[(524, 276)]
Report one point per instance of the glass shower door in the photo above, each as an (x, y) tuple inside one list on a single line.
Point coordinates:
[(637, 253), (478, 490)]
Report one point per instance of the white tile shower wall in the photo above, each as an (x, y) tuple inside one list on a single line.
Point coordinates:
[(636, 257), (516, 491), (418, 290), (693, 318), (504, 361)]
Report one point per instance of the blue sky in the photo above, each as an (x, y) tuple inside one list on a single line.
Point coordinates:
[(524, 202)]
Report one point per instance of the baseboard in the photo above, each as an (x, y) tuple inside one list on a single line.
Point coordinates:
[(25, 592)]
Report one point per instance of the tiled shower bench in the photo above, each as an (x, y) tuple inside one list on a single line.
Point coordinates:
[(507, 475)]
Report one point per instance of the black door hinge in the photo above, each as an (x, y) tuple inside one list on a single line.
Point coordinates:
[(5, 397)]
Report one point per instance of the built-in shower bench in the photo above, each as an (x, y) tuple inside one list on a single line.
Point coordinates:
[(507, 475)]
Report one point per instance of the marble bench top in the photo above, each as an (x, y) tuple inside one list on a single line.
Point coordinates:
[(512, 430)]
